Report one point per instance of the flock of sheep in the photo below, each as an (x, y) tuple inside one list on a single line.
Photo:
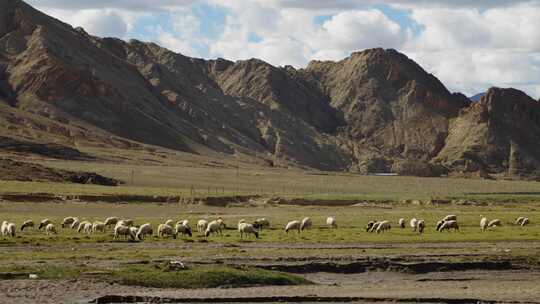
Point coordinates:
[(127, 229)]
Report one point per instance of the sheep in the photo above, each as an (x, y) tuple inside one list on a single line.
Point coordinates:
[(213, 227), (68, 221), (483, 223), (221, 223), (241, 221), (374, 226), (27, 224), (133, 232), (50, 229), (87, 228), (125, 231), (44, 223), (245, 228), (75, 224), (4, 227), (519, 220), (183, 229), (98, 226), (169, 222), (421, 226), (447, 225), (201, 226), (494, 223), (183, 222), (414, 224), (525, 222), (125, 222), (331, 221), (293, 225), (82, 225), (382, 226), (438, 226), (401, 223), (306, 223), (144, 230), (10, 230), (261, 222), (111, 221), (450, 217), (166, 230)]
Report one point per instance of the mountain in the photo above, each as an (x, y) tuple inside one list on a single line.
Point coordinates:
[(375, 111), (477, 97)]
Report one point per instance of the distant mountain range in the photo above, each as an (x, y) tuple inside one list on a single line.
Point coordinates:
[(375, 111)]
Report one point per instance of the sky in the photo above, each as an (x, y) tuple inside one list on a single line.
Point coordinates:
[(469, 45)]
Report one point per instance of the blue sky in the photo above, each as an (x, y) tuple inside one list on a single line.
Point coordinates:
[(469, 45)]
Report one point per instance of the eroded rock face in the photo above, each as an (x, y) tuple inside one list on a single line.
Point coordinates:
[(375, 111)]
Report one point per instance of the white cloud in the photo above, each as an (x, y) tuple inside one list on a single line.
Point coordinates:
[(125, 5)]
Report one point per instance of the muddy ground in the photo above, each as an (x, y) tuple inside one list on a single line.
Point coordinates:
[(429, 273)]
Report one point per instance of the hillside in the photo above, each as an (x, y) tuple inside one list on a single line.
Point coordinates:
[(375, 111)]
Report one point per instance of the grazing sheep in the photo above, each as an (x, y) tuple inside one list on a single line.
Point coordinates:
[(75, 224), (44, 223), (421, 226), (438, 226), (401, 223), (370, 225), (4, 227), (68, 221), (201, 226), (414, 224), (221, 223), (27, 224), (483, 223), (519, 220), (183, 229), (82, 225), (169, 222), (447, 225), (374, 226), (383, 226), (306, 223), (144, 230), (98, 227), (111, 221), (87, 228), (331, 221), (50, 229), (293, 225), (450, 217), (133, 232), (183, 222), (494, 223), (261, 222), (525, 222), (10, 230), (213, 228), (166, 230), (125, 231), (245, 228)]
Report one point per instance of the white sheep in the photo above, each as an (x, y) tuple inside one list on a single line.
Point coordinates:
[(169, 222), (50, 229), (494, 223), (421, 226), (519, 220), (525, 222), (401, 223), (414, 224), (201, 226), (27, 224), (111, 221), (68, 221), (306, 223), (184, 222), (450, 217), (483, 223), (245, 228), (374, 226), (447, 225), (144, 230), (383, 226), (221, 223), (125, 222), (4, 227), (166, 230), (125, 231), (331, 221), (438, 226), (213, 228), (183, 229), (82, 226), (98, 227), (75, 224), (293, 225), (44, 223), (10, 230), (87, 228)]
